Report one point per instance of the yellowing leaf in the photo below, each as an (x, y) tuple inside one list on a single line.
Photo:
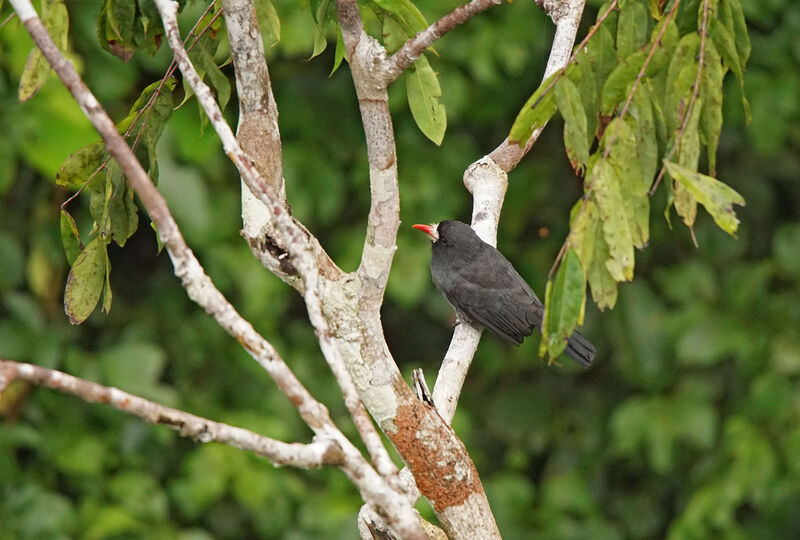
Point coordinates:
[(37, 70), (717, 198)]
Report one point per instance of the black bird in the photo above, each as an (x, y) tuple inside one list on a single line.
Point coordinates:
[(485, 290)]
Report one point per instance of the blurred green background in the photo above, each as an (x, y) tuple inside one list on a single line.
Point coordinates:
[(688, 426)]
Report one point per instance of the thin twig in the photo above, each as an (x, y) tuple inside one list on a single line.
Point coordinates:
[(308, 456), (414, 47)]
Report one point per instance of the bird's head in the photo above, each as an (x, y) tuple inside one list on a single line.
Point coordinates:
[(451, 233)]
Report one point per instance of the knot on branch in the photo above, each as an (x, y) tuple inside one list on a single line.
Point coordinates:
[(555, 9), (371, 67)]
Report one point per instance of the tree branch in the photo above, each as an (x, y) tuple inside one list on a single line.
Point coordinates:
[(199, 286), (414, 47), (308, 456), (487, 180)]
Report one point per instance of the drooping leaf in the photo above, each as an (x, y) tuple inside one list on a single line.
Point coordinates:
[(632, 28), (616, 229), (535, 113), (268, 22), (717, 198), (646, 140), (85, 281), (340, 54), (711, 119), (37, 70), (739, 30), (202, 56), (423, 92), (681, 76), (107, 296), (617, 85), (585, 80), (726, 47), (601, 53), (80, 165), (688, 154), (70, 237), (323, 12), (122, 210), (566, 301), (623, 157), (621, 198), (576, 139), (148, 31)]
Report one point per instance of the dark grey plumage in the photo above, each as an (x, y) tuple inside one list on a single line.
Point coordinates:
[(486, 290)]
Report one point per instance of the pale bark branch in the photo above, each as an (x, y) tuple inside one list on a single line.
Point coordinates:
[(308, 456), (259, 137), (414, 47), (487, 180), (373, 488)]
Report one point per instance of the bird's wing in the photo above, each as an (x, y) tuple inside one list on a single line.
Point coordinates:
[(499, 300)]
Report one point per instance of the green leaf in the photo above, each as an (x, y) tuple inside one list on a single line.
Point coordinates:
[(535, 113), (423, 92), (107, 285), (624, 160), (268, 22), (665, 48), (616, 231), (576, 139), (741, 36), (146, 120), (585, 80), (407, 15), (654, 7), (717, 198), (393, 34), (726, 46), (202, 56), (602, 53), (711, 119), (681, 77), (85, 281), (323, 12), (148, 31), (621, 199), (617, 86), (586, 238), (37, 70), (80, 165), (70, 237), (632, 27), (122, 209), (566, 299), (646, 140), (340, 54)]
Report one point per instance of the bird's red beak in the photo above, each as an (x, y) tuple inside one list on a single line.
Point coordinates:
[(430, 230)]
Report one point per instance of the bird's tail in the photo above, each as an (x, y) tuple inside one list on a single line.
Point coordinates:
[(580, 349)]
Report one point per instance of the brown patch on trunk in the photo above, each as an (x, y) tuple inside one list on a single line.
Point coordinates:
[(441, 466)]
